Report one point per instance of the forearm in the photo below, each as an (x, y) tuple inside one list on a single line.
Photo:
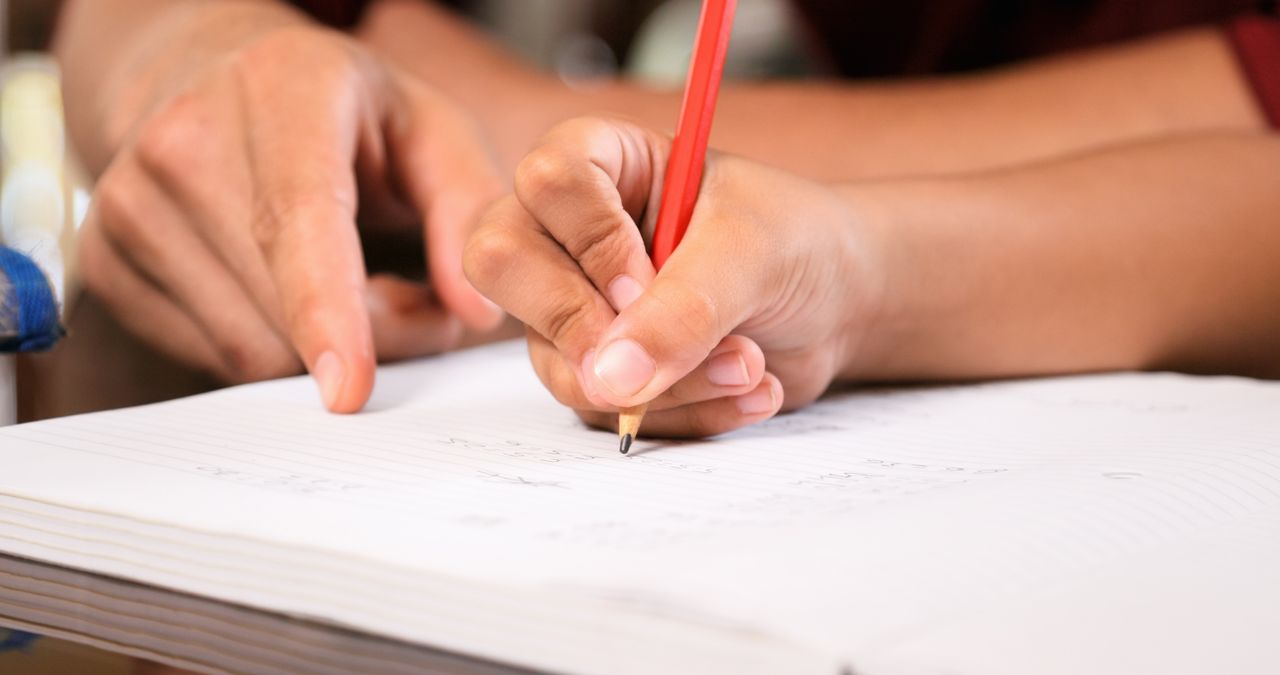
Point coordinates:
[(117, 56), (1169, 85), (1157, 255)]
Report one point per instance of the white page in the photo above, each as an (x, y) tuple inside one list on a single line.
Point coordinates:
[(1207, 604), (865, 521)]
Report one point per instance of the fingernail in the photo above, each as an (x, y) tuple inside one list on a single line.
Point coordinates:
[(329, 375), (728, 370), (624, 367), (623, 291), (758, 402)]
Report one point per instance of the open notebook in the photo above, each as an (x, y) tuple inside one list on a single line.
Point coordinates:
[(1112, 523)]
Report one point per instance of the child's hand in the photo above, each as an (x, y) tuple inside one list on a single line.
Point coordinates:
[(775, 273)]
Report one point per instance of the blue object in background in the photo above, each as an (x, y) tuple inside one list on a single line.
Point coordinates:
[(16, 640), (29, 308)]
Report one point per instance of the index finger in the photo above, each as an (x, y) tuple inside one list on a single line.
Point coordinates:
[(515, 263), (303, 219), (585, 184)]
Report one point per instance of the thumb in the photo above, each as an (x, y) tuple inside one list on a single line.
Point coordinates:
[(674, 324)]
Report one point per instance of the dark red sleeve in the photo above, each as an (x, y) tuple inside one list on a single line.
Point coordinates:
[(336, 13), (1257, 43), (343, 13)]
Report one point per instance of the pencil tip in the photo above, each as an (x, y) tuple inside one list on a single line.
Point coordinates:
[(625, 445)]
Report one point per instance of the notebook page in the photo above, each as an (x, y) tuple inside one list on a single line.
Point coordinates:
[(1117, 475), (858, 522), (1206, 604)]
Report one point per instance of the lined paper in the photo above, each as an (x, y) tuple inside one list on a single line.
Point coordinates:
[(867, 520)]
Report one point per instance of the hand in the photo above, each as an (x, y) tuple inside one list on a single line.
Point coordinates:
[(224, 228), (759, 308)]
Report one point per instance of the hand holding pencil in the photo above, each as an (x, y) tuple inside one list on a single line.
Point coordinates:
[(774, 269)]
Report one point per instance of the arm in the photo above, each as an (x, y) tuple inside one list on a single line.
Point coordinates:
[(1184, 82), (1160, 255), (1163, 86)]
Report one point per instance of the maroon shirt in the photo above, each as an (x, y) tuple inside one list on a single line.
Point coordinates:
[(887, 38), (895, 37)]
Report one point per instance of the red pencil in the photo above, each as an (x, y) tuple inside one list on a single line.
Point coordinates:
[(688, 154)]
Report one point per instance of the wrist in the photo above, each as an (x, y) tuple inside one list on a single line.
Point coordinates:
[(910, 279), (947, 276), (867, 300)]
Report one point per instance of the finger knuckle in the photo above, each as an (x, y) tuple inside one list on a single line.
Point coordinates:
[(118, 211), (264, 225), (546, 176), (167, 143), (598, 246), (275, 212), (543, 173), (488, 254), (111, 200), (565, 318)]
